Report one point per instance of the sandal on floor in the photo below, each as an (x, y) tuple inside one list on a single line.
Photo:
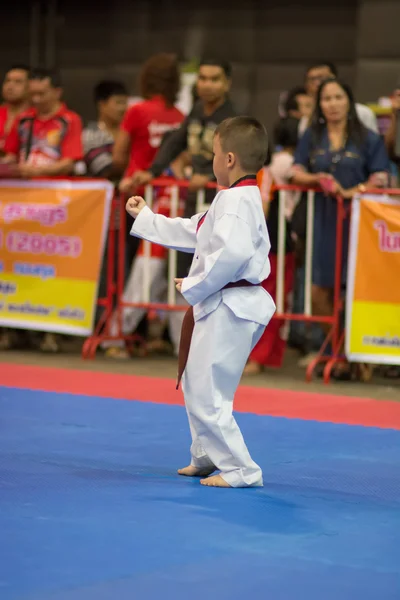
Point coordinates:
[(117, 353), (50, 343), (353, 372), (343, 372)]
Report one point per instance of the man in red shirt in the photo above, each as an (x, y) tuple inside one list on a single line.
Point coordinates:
[(45, 140), (15, 94), (145, 123)]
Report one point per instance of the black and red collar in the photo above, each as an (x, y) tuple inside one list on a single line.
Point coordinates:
[(245, 180)]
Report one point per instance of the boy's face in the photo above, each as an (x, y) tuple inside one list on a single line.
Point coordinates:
[(220, 163), (305, 104)]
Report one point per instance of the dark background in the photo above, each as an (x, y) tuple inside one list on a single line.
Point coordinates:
[(269, 43)]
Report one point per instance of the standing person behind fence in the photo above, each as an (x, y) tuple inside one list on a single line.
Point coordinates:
[(111, 100), (270, 350), (98, 138), (157, 265), (343, 157), (15, 92), (319, 72), (196, 136), (229, 308), (145, 124), (16, 98), (45, 141)]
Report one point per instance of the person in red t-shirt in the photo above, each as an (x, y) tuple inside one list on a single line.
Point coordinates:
[(15, 94), (45, 140), (157, 270), (145, 123)]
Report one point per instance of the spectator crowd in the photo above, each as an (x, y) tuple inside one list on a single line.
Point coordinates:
[(322, 138)]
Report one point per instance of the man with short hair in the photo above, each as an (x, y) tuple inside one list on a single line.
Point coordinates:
[(111, 99), (195, 135), (197, 130), (320, 72), (15, 94), (45, 140)]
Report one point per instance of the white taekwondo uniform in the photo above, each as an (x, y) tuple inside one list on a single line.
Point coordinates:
[(232, 244)]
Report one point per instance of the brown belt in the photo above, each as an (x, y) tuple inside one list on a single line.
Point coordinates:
[(188, 326)]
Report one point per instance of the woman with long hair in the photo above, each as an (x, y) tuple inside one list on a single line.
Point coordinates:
[(146, 122), (141, 134), (338, 154)]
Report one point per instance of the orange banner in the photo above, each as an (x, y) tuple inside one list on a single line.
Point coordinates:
[(373, 290), (52, 236)]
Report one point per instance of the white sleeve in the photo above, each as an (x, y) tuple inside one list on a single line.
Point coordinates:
[(367, 117), (230, 249), (177, 234)]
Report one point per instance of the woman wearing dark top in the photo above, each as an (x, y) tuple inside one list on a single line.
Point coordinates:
[(341, 156)]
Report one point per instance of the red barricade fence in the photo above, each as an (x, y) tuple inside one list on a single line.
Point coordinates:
[(116, 284), (109, 327)]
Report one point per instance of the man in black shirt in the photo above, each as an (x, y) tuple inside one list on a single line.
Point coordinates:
[(196, 135)]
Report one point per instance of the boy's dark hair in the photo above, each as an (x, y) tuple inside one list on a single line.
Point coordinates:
[(160, 76), (213, 62), (19, 67), (107, 88), (40, 74), (324, 63), (286, 133), (291, 100), (247, 138)]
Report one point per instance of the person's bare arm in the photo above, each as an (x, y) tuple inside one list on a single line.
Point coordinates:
[(390, 135), (302, 177), (65, 166), (121, 150)]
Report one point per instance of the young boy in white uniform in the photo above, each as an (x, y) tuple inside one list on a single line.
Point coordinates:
[(229, 308)]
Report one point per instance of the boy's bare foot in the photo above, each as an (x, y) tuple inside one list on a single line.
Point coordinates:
[(192, 471), (215, 481)]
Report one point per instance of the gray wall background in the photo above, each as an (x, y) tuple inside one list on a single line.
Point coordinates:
[(269, 42)]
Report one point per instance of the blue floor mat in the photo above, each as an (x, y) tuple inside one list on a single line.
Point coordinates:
[(91, 507)]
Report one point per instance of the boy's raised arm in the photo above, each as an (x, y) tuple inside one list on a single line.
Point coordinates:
[(177, 234)]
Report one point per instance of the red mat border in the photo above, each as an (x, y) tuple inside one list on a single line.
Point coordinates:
[(260, 401)]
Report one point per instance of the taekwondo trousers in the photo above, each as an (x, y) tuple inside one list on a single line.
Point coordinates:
[(220, 346)]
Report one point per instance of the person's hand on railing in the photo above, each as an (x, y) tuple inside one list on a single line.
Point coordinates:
[(126, 185), (198, 182), (28, 171), (328, 184), (141, 178), (135, 205)]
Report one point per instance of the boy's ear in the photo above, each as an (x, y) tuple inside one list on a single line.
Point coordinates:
[(231, 159)]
